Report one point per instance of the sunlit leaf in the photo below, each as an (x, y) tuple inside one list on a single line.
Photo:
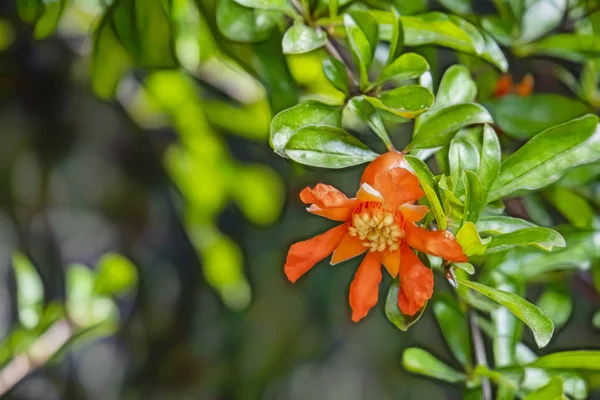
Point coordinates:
[(474, 197), (499, 224), (539, 323), (470, 241), (245, 24), (574, 207), (406, 66), (396, 37), (462, 155), (30, 291), (300, 38), (569, 46), (540, 17), (552, 391), (570, 360), (489, 165), (404, 101), (430, 187), (327, 147), (116, 275), (542, 238), (282, 5), (421, 362)]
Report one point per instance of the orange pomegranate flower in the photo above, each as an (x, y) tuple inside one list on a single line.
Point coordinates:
[(505, 86), (381, 221)]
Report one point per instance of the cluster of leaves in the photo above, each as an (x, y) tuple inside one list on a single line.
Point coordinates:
[(388, 84), (90, 307)]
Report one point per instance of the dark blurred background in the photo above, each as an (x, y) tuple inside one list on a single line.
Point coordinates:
[(207, 226)]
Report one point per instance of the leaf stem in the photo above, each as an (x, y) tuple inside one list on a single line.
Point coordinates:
[(480, 355)]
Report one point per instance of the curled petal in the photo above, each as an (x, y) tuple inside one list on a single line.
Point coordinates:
[(349, 247), (334, 213), (367, 193), (302, 256), (325, 196), (364, 289), (437, 243), (382, 163), (413, 212), (416, 283), (398, 186), (391, 261)]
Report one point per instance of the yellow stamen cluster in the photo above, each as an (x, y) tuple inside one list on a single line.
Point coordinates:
[(378, 229)]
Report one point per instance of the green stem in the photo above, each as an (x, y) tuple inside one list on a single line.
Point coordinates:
[(480, 355)]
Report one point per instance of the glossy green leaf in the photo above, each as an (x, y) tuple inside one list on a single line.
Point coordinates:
[(281, 5), (327, 147), (393, 313), (569, 46), (499, 224), (421, 362), (574, 207), (489, 165), (456, 87), (454, 326), (540, 324), (548, 155), (462, 155), (542, 238), (406, 66), (522, 117), (570, 360), (540, 17), (30, 291), (467, 267), (245, 24), (557, 305), (362, 33), (300, 38), (404, 101), (116, 275), (552, 391), (440, 128), (470, 241), (475, 197), (288, 122), (396, 38), (430, 187), (336, 73), (507, 328), (366, 112)]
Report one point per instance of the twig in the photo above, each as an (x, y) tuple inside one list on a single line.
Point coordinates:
[(480, 356), (37, 355)]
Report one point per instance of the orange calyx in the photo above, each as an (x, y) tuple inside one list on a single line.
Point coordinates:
[(378, 229)]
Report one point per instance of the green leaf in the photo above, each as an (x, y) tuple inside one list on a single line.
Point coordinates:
[(327, 147), (336, 73), (116, 275), (467, 267), (540, 17), (475, 197), (458, 6), (499, 224), (397, 38), (454, 326), (393, 313), (43, 14), (300, 38), (421, 362), (552, 391), (362, 33), (288, 122), (557, 305), (532, 316), (470, 241), (30, 291), (507, 328), (574, 207), (569, 46), (542, 238), (430, 187), (407, 66), (281, 5), (456, 87), (489, 165), (245, 24), (405, 101), (440, 128), (462, 155), (570, 360), (522, 117), (596, 320), (548, 155), (366, 112)]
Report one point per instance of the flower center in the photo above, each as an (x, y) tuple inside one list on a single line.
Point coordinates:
[(379, 229)]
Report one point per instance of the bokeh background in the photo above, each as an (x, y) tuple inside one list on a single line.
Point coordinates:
[(175, 174)]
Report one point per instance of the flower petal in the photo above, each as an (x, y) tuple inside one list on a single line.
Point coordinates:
[(398, 186), (325, 196), (364, 289), (334, 213), (366, 192), (413, 212), (416, 283), (391, 261), (302, 256), (349, 247), (438, 243), (382, 163)]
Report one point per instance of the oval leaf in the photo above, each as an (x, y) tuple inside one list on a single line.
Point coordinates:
[(407, 66), (336, 73), (566, 360), (542, 238), (421, 362), (405, 101), (393, 313), (300, 38)]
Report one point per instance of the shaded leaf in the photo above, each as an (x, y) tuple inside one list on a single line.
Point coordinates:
[(489, 165), (574, 207), (421, 362), (245, 24), (430, 187), (336, 73), (475, 197), (393, 313), (362, 33), (366, 112), (454, 326), (557, 305)]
